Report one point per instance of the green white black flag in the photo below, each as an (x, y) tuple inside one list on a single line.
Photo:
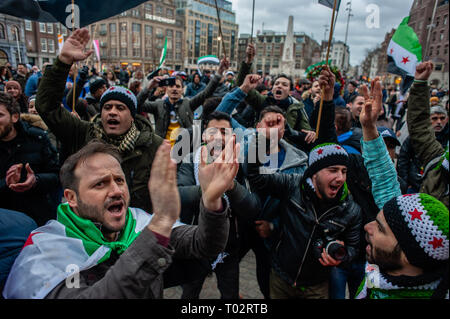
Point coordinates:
[(404, 53)]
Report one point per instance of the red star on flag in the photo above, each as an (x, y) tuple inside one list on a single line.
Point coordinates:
[(338, 147), (436, 242), (320, 151), (29, 240), (392, 50), (405, 60), (415, 214), (407, 195)]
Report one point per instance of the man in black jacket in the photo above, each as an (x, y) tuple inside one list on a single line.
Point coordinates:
[(28, 165), (244, 206), (315, 209)]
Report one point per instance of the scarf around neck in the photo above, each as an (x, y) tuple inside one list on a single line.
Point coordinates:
[(91, 236), (125, 143), (378, 285)]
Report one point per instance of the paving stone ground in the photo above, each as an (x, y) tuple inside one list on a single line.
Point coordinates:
[(248, 286)]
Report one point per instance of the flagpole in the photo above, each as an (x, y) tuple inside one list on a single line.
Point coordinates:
[(220, 31), (253, 21), (326, 63), (76, 70)]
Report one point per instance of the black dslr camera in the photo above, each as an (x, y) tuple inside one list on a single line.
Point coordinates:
[(167, 82), (334, 249)]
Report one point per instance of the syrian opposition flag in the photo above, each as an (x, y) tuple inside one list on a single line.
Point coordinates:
[(162, 59), (404, 53), (330, 3)]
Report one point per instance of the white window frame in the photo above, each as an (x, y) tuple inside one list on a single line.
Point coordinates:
[(28, 25), (43, 44), (51, 48), (50, 28), (42, 27)]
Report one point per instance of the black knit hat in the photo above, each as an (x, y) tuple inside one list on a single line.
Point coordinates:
[(96, 83), (120, 94)]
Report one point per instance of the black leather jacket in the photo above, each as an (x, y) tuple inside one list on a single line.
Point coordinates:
[(302, 224)]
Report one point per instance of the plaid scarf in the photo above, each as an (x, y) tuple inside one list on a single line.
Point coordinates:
[(125, 143)]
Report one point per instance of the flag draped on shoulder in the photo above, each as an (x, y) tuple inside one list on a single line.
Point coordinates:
[(404, 53), (60, 248)]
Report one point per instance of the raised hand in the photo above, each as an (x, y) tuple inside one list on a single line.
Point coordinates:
[(164, 191), (371, 109), (326, 82), (224, 65), (424, 70), (217, 177), (250, 53), (74, 47), (310, 136), (251, 81)]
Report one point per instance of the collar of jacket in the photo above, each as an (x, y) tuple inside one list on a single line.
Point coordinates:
[(177, 103), (294, 156)]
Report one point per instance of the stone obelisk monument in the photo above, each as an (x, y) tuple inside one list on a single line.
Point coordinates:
[(287, 59)]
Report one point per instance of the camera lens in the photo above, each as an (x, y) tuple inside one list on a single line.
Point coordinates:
[(336, 250)]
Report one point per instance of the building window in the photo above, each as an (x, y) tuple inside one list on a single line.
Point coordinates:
[(149, 7), (28, 25), (51, 46), (112, 27), (136, 36), (50, 28), (169, 13), (159, 10), (148, 30), (2, 32), (15, 33), (136, 52), (441, 36), (43, 44), (123, 52), (42, 27), (64, 30)]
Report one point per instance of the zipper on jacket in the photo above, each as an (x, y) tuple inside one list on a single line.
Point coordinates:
[(310, 239)]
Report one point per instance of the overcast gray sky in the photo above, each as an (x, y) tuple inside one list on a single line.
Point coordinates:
[(310, 17)]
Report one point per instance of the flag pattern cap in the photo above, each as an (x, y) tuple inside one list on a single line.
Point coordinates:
[(420, 225), (325, 155)]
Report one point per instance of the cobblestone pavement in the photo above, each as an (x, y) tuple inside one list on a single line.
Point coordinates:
[(248, 286)]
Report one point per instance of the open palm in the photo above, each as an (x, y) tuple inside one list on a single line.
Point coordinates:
[(217, 177), (74, 47), (372, 103)]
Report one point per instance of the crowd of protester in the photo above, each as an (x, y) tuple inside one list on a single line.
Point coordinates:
[(347, 201)]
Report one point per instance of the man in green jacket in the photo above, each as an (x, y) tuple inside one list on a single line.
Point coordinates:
[(432, 155), (296, 115), (117, 124)]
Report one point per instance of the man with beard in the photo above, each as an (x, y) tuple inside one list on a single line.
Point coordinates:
[(408, 244), (279, 95), (28, 165), (117, 251), (117, 124), (315, 209), (244, 206)]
